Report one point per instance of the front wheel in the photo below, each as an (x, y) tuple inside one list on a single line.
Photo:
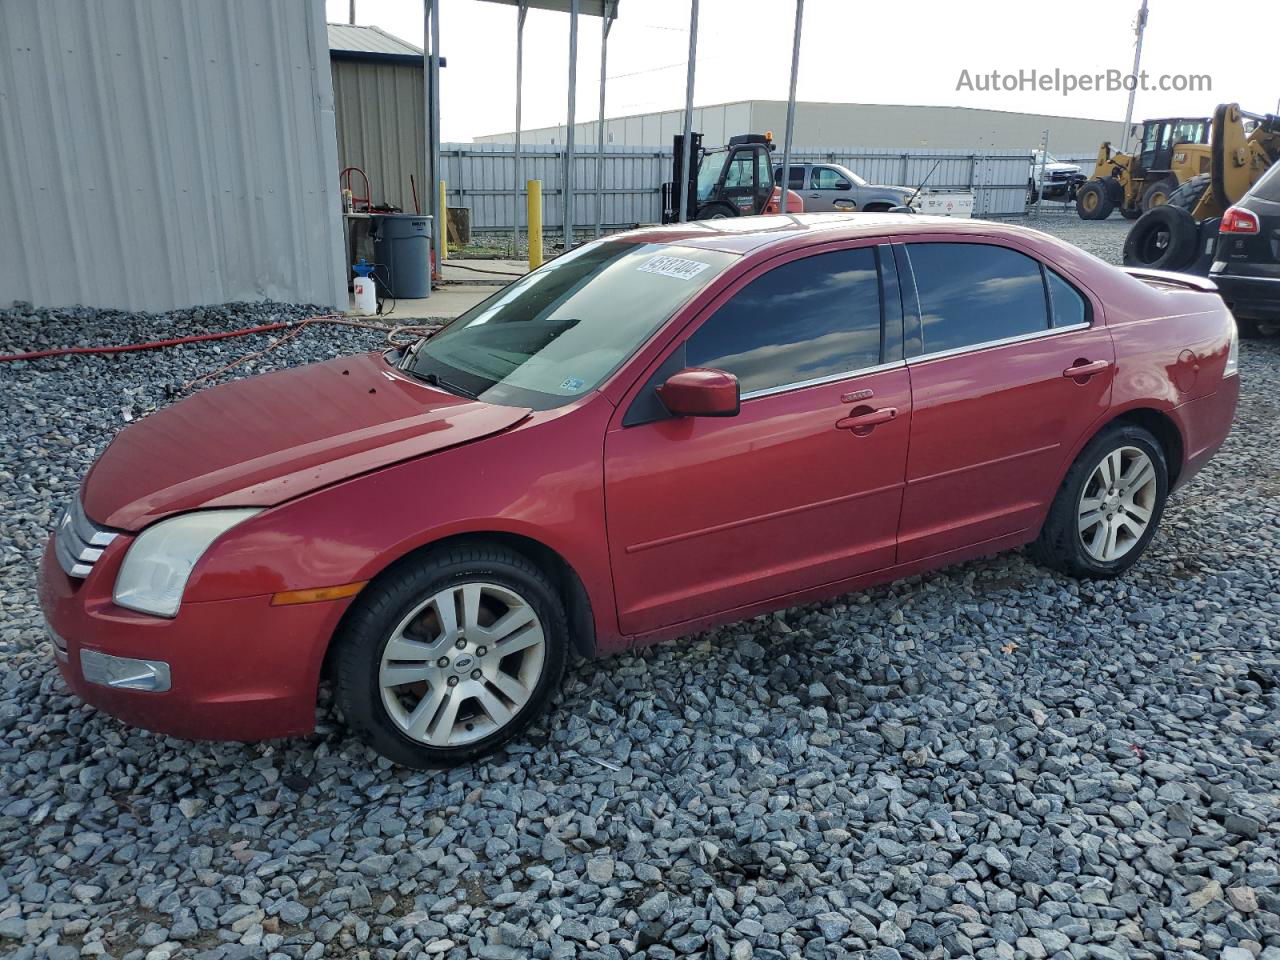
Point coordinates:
[(445, 659), (1108, 507)]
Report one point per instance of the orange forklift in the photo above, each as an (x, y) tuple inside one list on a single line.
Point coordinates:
[(730, 181)]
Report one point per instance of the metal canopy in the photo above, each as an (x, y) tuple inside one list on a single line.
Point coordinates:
[(608, 11), (590, 8)]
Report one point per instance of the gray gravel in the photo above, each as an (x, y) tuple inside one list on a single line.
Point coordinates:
[(990, 760)]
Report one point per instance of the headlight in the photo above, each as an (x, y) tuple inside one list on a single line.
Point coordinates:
[(155, 570)]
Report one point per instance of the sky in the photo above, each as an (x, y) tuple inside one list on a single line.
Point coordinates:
[(909, 52)]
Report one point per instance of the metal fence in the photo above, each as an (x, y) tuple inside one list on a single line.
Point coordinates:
[(482, 176)]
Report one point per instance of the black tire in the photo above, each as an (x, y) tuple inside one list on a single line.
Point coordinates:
[(1130, 213), (1060, 545), (715, 211), (1093, 201), (385, 602), (1187, 196), (1165, 238), (1156, 194), (1248, 328)]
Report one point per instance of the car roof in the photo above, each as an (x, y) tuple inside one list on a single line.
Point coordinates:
[(744, 235)]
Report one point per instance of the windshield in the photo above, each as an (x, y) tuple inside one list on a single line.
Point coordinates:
[(854, 177), (709, 173), (559, 331)]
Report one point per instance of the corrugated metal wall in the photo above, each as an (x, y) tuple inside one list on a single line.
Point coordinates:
[(482, 176), (165, 153), (380, 118), (865, 125)]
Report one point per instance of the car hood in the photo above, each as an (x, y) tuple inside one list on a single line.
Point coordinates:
[(1061, 167), (263, 440)]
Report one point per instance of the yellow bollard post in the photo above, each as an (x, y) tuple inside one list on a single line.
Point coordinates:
[(444, 222), (535, 224)]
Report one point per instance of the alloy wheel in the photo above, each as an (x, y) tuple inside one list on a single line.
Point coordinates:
[(1117, 504), (462, 664)]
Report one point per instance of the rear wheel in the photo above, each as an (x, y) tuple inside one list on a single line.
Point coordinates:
[(445, 659), (1094, 202), (716, 211), (1248, 328), (1108, 507), (1156, 194)]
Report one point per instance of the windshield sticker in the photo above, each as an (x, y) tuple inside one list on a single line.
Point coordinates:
[(572, 383), (677, 267)]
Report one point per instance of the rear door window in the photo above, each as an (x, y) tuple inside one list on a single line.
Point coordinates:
[(809, 319), (976, 293)]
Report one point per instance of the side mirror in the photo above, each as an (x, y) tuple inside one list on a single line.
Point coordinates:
[(843, 185), (701, 392)]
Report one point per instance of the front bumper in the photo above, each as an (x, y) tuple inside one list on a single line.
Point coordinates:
[(236, 669)]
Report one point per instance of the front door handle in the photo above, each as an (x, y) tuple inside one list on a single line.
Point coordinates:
[(865, 421), (1086, 370)]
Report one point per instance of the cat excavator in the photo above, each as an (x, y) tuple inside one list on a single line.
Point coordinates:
[(1180, 234)]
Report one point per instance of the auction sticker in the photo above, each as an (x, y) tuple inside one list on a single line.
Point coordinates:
[(677, 267)]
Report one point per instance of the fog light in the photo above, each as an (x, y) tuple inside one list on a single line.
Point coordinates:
[(124, 673)]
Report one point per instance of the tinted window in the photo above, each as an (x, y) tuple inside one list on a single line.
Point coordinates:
[(1069, 306), (804, 320), (795, 181), (974, 293), (824, 178), (1268, 188)]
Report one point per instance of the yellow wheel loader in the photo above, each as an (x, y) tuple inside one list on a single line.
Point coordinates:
[(1171, 152), (1180, 234)]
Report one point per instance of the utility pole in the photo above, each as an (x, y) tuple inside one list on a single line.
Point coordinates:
[(567, 197), (1137, 60), (353, 13), (685, 158), (784, 182)]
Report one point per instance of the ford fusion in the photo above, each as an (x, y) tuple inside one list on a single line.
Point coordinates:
[(653, 434)]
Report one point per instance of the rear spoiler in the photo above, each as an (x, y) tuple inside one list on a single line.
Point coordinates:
[(1187, 280)]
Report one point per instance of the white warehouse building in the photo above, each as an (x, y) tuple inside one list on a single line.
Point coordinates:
[(862, 125)]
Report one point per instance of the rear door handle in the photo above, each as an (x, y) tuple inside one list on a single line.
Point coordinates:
[(1086, 369), (866, 420)]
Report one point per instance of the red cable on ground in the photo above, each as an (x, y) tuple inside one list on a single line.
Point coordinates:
[(151, 345)]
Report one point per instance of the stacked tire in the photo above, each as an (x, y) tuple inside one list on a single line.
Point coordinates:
[(1167, 236)]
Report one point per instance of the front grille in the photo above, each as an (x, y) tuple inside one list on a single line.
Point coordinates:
[(79, 541)]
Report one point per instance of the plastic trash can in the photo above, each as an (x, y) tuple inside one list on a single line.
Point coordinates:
[(402, 251)]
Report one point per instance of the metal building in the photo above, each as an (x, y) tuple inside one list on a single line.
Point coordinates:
[(159, 155), (850, 125), (377, 94)]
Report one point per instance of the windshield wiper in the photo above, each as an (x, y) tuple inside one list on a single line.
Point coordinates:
[(435, 380)]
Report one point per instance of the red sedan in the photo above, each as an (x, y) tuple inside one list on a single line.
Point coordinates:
[(660, 431)]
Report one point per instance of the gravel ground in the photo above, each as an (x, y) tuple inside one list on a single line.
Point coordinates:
[(991, 760)]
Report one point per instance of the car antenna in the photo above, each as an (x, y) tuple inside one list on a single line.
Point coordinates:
[(911, 199)]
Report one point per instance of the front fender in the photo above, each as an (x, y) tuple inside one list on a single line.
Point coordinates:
[(542, 480)]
